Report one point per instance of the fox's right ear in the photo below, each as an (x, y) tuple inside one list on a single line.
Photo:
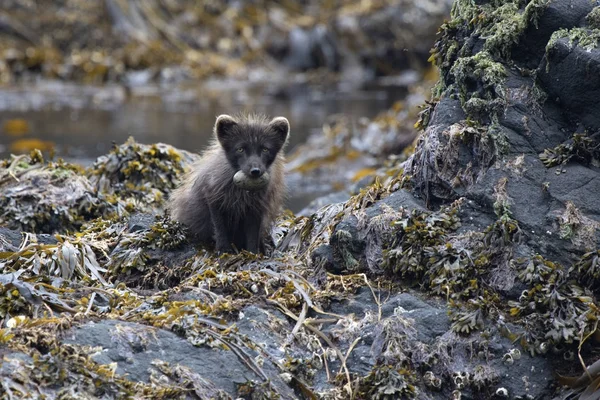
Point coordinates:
[(281, 126), (224, 127)]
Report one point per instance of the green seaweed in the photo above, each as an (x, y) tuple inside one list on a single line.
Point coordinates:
[(145, 174), (593, 18), (582, 37), (480, 82), (478, 78), (48, 197), (580, 148)]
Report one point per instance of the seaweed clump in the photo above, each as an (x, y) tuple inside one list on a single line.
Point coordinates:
[(47, 197), (593, 18), (142, 175), (556, 311), (583, 37), (386, 383), (580, 148), (138, 251)]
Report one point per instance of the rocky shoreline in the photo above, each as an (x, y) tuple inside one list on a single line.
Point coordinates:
[(135, 43), (466, 269)]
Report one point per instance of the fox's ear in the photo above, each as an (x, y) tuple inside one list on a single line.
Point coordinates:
[(224, 127), (281, 126)]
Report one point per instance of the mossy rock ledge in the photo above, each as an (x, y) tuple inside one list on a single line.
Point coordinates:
[(473, 274)]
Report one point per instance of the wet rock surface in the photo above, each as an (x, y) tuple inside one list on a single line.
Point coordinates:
[(135, 347)]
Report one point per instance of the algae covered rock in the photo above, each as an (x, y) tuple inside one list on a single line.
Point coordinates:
[(144, 173), (215, 372), (505, 221), (507, 217), (41, 197)]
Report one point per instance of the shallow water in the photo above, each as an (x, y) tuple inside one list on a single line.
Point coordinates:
[(81, 122)]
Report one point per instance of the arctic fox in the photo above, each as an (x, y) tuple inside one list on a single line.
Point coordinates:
[(217, 209)]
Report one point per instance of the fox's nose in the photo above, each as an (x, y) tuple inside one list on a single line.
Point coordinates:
[(255, 172)]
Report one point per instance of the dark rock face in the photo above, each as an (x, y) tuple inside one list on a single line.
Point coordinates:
[(536, 115), (511, 145), (571, 78), (134, 347), (557, 15)]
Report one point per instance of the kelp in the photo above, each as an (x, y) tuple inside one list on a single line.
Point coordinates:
[(142, 174), (48, 197), (581, 148)]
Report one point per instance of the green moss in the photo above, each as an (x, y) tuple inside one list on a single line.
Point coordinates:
[(593, 18), (479, 80), (499, 23), (582, 37)]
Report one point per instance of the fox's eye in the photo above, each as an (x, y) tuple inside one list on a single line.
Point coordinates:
[(240, 149), (265, 150)]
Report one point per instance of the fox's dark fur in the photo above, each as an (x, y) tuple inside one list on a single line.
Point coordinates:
[(209, 203)]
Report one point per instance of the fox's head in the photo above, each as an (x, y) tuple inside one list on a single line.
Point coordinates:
[(251, 144)]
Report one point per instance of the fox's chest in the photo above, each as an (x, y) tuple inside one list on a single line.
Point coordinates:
[(240, 202)]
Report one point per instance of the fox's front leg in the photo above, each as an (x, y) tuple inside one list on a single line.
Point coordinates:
[(222, 234), (252, 227)]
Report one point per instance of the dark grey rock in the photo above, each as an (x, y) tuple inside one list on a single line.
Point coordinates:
[(323, 256), (134, 347), (316, 204), (140, 222), (571, 68), (530, 49), (430, 321), (9, 239)]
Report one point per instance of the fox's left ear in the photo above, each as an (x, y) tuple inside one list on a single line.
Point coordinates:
[(281, 126)]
